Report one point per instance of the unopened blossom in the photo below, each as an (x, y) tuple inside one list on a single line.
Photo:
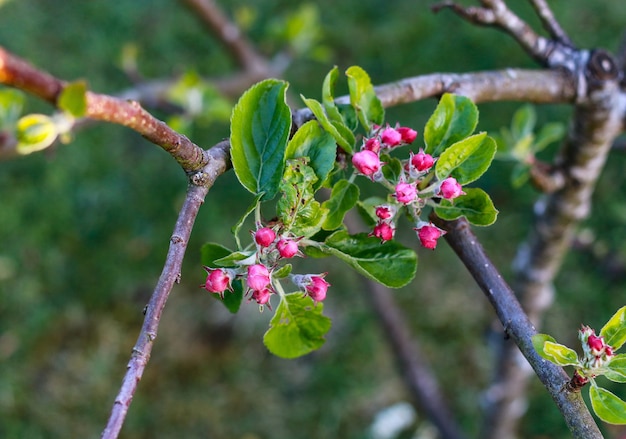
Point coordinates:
[(217, 281), (384, 211), (384, 231), (450, 189), (317, 288), (287, 248), (428, 235), (264, 236), (372, 144), (596, 344), (390, 137), (262, 297), (422, 161), (258, 277), (408, 134), (405, 192), (366, 162)]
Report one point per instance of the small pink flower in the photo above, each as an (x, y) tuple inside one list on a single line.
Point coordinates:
[(405, 193), (264, 236), (428, 235), (366, 162), (384, 211), (391, 137), (258, 277), (450, 189), (408, 134), (217, 281), (317, 288), (384, 231), (372, 144), (422, 161), (287, 248)]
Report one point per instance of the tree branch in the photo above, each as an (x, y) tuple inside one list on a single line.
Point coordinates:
[(550, 23), (518, 327), (200, 184)]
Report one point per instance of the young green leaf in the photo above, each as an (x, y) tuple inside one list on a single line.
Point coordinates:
[(328, 95), (393, 170), (342, 198), (617, 369), (343, 136), (549, 349), (73, 98), (607, 406), (318, 145), (454, 119), (363, 98), (35, 132), (455, 155), (297, 328), (523, 122), (476, 164), (11, 103), (391, 264), (475, 205), (614, 332), (260, 125), (549, 133), (237, 227)]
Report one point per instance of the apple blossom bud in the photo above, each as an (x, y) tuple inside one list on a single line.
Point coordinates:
[(372, 144), (258, 277), (217, 281), (405, 193), (384, 211), (408, 134), (384, 231), (287, 248), (264, 236), (596, 344), (428, 235), (390, 137), (262, 297), (422, 161), (450, 189), (366, 162), (317, 288)]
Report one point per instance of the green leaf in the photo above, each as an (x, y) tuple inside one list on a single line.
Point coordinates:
[(234, 258), (367, 210), (523, 122), (455, 155), (11, 103), (297, 208), (328, 95), (260, 125), (393, 169), (391, 264), (549, 349), (476, 164), (454, 119), (73, 98), (617, 369), (342, 198), (35, 132), (363, 98), (297, 328), (607, 406), (614, 332), (318, 145), (549, 133), (475, 205), (341, 136), (209, 254)]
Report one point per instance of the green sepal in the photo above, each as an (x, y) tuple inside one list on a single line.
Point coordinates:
[(297, 328), (549, 349), (318, 145), (454, 119), (342, 198), (614, 332), (390, 264), (607, 406), (363, 98), (344, 137), (616, 369), (475, 205), (73, 98), (260, 126)]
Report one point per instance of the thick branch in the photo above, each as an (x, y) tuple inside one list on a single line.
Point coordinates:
[(17, 73), (518, 327), (201, 182)]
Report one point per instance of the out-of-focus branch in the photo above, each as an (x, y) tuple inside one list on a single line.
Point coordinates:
[(17, 73), (200, 183), (518, 327), (550, 23)]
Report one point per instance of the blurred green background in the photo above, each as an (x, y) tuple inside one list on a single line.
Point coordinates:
[(84, 229)]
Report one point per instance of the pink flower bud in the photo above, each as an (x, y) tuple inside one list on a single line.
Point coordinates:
[(450, 189), (366, 162), (408, 134), (317, 288), (372, 144), (258, 277), (264, 236), (390, 137), (608, 350), (217, 281), (422, 161), (287, 248), (384, 211), (428, 235), (596, 344), (384, 231), (262, 297), (405, 193)]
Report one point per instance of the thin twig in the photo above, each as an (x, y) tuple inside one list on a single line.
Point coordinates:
[(517, 326), (550, 23), (171, 273)]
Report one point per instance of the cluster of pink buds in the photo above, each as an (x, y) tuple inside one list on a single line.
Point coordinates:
[(271, 248), (596, 352), (411, 189)]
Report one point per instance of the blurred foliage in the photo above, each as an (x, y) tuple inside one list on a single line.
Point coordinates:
[(84, 229)]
